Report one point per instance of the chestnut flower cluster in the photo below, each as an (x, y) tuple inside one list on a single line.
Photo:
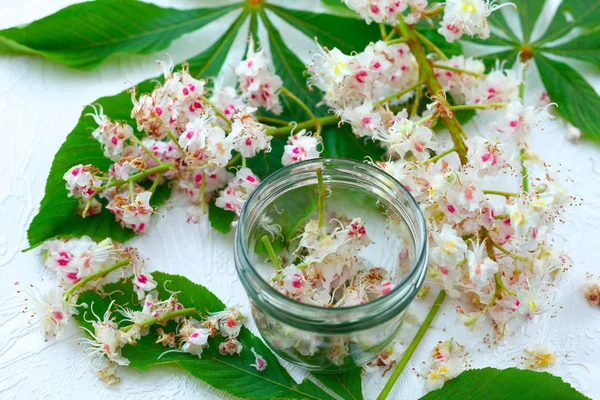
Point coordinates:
[(488, 248), (191, 135), (461, 17), (328, 271), (81, 264)]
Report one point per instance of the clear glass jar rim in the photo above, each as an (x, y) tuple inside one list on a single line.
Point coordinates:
[(418, 267)]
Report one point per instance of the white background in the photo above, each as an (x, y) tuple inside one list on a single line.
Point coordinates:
[(40, 102)]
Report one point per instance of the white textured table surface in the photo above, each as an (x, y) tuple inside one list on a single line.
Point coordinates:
[(40, 102)]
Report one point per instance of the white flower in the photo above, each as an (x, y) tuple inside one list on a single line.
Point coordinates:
[(191, 181), (230, 347), (52, 311), (481, 267), (456, 83), (259, 363), (378, 10), (517, 120), (237, 191), (249, 135), (229, 321), (111, 135), (258, 82), (365, 122), (107, 340), (466, 17), (301, 146), (539, 357), (205, 144), (227, 99), (136, 215), (529, 303), (142, 283), (81, 180), (405, 136), (487, 156), (449, 249), (499, 86), (193, 337)]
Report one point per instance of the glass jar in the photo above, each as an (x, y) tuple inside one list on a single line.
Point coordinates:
[(322, 338)]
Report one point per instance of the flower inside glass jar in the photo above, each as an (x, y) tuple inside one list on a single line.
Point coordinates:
[(331, 252)]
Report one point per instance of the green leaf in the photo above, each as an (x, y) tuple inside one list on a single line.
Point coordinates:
[(220, 219), (511, 383), (57, 215), (529, 11), (326, 28), (577, 100), (586, 14), (83, 35), (347, 385), (232, 374), (585, 47), (291, 70), (341, 142)]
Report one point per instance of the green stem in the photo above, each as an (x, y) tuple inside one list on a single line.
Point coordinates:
[(398, 94), (243, 162), (430, 45), (271, 252), (524, 173), (140, 175), (395, 41), (440, 155), (322, 195), (412, 346), (146, 150), (382, 31), (501, 193), (156, 182), (477, 106), (459, 70), (233, 160), (278, 121), (501, 216), (162, 318), (202, 189), (323, 121), (390, 35), (418, 95), (87, 207), (427, 118), (217, 110), (174, 139), (131, 198), (96, 275), (428, 76)]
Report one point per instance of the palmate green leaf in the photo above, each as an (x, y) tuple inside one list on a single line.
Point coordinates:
[(57, 215), (585, 14), (83, 35), (511, 383), (577, 100), (585, 47), (328, 29), (232, 374)]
